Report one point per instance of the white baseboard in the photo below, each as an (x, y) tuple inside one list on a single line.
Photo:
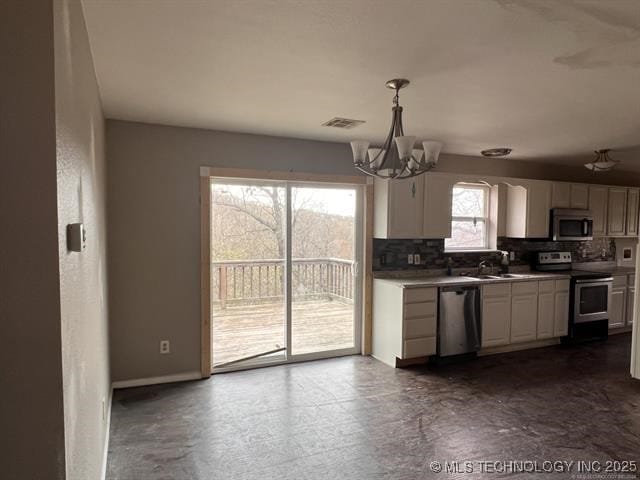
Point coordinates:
[(140, 382), (107, 433)]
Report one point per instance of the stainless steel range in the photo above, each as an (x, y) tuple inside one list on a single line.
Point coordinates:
[(590, 296)]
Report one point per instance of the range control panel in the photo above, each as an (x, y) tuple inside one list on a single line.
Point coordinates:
[(546, 258)]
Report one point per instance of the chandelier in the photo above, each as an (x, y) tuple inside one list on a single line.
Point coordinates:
[(602, 162), (386, 162)]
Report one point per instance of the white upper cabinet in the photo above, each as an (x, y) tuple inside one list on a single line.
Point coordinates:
[(528, 210), (398, 207), (579, 195), (598, 202), (617, 212), (418, 207), (633, 195), (560, 195), (569, 195), (438, 190)]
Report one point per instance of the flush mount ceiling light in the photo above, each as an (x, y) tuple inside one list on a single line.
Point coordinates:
[(496, 152), (602, 162), (386, 162)]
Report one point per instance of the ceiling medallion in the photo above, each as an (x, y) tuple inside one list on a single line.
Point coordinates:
[(602, 162), (386, 162)]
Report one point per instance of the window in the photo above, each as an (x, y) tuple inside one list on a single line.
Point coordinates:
[(469, 221)]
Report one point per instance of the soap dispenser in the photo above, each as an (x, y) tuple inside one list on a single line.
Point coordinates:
[(504, 262)]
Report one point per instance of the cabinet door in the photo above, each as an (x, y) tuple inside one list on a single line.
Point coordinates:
[(406, 200), (538, 206), (496, 321), (618, 307), (598, 199), (579, 195), (560, 195), (617, 212), (438, 190), (546, 315), (561, 315), (524, 317), (633, 195), (631, 295)]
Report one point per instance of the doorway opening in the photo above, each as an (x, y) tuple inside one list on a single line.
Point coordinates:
[(285, 276)]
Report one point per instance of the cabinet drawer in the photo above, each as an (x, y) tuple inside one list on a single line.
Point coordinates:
[(416, 295), (632, 280), (419, 347), (562, 285), (413, 310), (420, 327), (619, 281), (524, 288), (497, 290), (546, 286)]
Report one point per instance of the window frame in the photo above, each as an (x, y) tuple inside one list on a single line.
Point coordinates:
[(486, 218)]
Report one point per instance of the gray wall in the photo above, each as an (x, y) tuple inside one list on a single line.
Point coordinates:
[(54, 365), (31, 405), (83, 276), (154, 226)]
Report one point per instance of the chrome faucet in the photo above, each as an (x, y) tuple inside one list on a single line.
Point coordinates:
[(484, 264)]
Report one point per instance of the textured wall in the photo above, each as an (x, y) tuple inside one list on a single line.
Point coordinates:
[(154, 231), (83, 276), (392, 254), (31, 405)]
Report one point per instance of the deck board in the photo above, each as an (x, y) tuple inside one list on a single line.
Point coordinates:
[(243, 330)]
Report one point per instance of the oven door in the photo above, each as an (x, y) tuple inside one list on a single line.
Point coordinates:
[(572, 228), (592, 300)]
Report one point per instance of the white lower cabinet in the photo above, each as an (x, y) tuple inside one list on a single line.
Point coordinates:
[(631, 296), (404, 322), (561, 314), (618, 307), (546, 309), (524, 312), (496, 321)]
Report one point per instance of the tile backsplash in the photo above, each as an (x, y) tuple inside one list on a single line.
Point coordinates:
[(392, 254)]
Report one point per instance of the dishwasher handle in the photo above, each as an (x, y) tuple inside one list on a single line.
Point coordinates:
[(458, 290)]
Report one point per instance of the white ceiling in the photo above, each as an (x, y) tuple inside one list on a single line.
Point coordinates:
[(548, 78)]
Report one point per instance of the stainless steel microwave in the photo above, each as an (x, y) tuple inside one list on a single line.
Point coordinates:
[(571, 224)]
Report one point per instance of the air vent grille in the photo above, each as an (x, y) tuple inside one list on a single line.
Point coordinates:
[(338, 122)]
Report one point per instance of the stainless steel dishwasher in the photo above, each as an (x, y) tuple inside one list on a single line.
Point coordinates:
[(459, 323)]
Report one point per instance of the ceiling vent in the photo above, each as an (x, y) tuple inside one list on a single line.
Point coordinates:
[(346, 123)]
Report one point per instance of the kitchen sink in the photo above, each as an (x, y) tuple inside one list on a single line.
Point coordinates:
[(496, 277)]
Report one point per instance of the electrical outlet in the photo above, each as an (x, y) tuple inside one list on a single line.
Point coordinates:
[(416, 258), (165, 346), (512, 256), (410, 259)]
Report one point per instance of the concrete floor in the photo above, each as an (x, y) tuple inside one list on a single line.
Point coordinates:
[(355, 418)]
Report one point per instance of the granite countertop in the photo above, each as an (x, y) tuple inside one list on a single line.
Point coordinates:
[(446, 281), (609, 267)]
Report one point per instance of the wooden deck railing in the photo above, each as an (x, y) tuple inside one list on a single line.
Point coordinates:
[(263, 280)]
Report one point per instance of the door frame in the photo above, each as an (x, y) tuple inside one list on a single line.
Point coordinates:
[(365, 247)]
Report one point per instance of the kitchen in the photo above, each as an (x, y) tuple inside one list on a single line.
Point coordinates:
[(558, 267)]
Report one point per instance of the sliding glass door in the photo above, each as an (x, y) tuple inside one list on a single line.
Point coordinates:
[(285, 272)]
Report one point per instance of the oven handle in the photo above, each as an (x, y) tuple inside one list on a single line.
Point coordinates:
[(596, 280)]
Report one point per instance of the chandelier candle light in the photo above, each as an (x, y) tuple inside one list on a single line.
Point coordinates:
[(385, 162)]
